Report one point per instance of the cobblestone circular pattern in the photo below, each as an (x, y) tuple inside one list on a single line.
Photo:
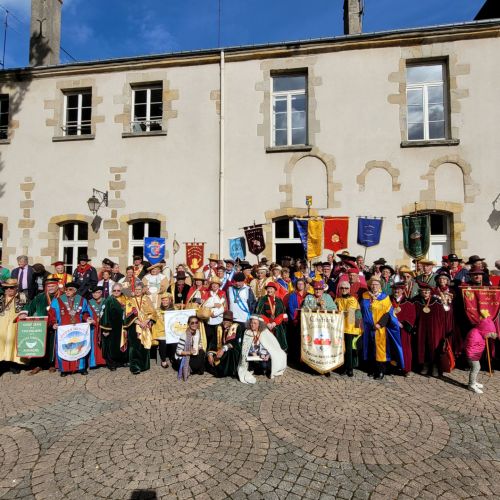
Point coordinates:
[(193, 445), (18, 453), (357, 422), (110, 386), (446, 479)]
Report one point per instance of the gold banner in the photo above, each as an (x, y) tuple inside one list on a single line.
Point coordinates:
[(322, 340)]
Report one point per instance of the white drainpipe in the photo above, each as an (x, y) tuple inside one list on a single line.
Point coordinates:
[(221, 159)]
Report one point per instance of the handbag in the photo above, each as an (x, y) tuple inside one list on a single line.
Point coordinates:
[(447, 359), (203, 313)]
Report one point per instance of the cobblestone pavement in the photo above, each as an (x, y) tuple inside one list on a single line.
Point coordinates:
[(115, 435)]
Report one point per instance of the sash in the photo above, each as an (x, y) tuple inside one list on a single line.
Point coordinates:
[(239, 302)]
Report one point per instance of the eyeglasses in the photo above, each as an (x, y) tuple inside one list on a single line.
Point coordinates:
[(194, 322), (115, 291)]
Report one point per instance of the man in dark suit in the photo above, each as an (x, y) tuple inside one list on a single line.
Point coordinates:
[(25, 276), (85, 276)]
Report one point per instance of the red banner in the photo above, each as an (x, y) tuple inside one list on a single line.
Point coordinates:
[(336, 233), (194, 256), (481, 302)]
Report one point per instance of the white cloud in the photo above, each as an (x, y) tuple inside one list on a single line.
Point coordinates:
[(155, 36), (81, 33)]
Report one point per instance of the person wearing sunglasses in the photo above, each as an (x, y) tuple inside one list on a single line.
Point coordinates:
[(190, 352)]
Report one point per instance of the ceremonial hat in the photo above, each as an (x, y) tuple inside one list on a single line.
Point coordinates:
[(387, 267), (473, 259), (348, 258), (319, 285), (353, 269), (181, 275), (166, 295), (239, 277), (9, 283), (262, 268), (137, 257), (57, 263), (423, 285), (264, 259), (277, 266), (96, 289), (374, 279), (246, 265), (72, 284), (378, 262), (405, 270), (272, 284), (398, 286), (213, 256), (84, 257), (453, 257), (221, 267), (198, 275), (154, 266), (227, 316), (52, 279), (257, 317), (427, 262), (444, 258), (440, 274), (229, 261), (215, 279), (108, 262)]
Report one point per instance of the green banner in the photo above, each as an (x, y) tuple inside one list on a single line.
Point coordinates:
[(31, 337), (416, 235)]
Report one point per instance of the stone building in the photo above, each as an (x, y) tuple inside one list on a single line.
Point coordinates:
[(199, 144)]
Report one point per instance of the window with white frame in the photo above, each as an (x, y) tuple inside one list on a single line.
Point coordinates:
[(426, 101), (147, 108), (78, 112), (286, 240), (4, 116), (139, 230), (73, 243), (289, 109)]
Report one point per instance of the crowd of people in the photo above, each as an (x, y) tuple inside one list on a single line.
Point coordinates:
[(246, 318)]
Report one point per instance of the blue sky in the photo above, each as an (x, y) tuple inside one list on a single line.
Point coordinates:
[(102, 29)]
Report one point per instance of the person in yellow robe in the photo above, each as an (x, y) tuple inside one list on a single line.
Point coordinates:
[(12, 309), (349, 305)]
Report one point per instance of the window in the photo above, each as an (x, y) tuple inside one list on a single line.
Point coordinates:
[(139, 230), (73, 243), (78, 112), (4, 116), (286, 240), (426, 101), (289, 110), (147, 108)]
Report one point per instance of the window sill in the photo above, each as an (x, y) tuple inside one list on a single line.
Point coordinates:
[(4, 141), (424, 144), (64, 138), (155, 133), (286, 149)]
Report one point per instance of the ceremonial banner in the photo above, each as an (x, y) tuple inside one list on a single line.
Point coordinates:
[(301, 226), (481, 302), (176, 324), (416, 235), (73, 341), (369, 231), (194, 255), (31, 337), (314, 238), (237, 248), (176, 247), (255, 239), (336, 233), (322, 340), (154, 249)]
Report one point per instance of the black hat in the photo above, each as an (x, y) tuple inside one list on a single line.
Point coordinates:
[(137, 257), (72, 284), (378, 262), (227, 316), (108, 262), (84, 257), (229, 261), (239, 277), (96, 289), (473, 259), (246, 265), (453, 257), (181, 275), (387, 267), (443, 273), (348, 258)]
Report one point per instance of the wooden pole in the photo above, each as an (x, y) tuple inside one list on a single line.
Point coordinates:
[(488, 355)]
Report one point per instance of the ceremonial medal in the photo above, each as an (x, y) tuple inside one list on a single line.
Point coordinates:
[(426, 310), (446, 307), (397, 310)]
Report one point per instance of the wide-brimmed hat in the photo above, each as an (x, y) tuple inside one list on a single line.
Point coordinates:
[(10, 283), (181, 275), (443, 273), (154, 266), (198, 275), (423, 285), (387, 267), (427, 262), (72, 284), (245, 266), (318, 285), (473, 259), (272, 284), (347, 257), (108, 262), (453, 257), (166, 295), (405, 270), (379, 262), (215, 279), (399, 286), (96, 288), (229, 261), (374, 279), (227, 316), (239, 277), (213, 256), (84, 257), (51, 279)]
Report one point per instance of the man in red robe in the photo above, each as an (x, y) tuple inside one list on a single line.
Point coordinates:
[(406, 315)]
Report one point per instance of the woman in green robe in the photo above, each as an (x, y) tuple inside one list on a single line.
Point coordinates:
[(111, 323), (273, 312)]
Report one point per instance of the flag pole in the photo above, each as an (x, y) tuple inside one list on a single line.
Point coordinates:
[(488, 355)]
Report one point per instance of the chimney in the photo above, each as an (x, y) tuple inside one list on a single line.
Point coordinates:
[(45, 35), (353, 17)]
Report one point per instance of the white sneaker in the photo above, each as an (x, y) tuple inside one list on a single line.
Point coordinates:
[(476, 389), (477, 384)]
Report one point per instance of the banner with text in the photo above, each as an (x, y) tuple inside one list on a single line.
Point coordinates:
[(73, 341), (369, 231), (176, 324), (195, 255), (481, 302), (31, 337)]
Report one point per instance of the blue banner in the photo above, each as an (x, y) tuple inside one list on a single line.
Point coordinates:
[(301, 225), (154, 249), (369, 231), (237, 248)]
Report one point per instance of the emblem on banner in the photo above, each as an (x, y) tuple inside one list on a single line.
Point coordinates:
[(194, 255)]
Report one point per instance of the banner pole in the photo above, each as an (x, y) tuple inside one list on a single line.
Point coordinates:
[(488, 355)]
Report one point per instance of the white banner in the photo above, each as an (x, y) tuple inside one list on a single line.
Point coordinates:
[(73, 341), (322, 340), (176, 324)]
